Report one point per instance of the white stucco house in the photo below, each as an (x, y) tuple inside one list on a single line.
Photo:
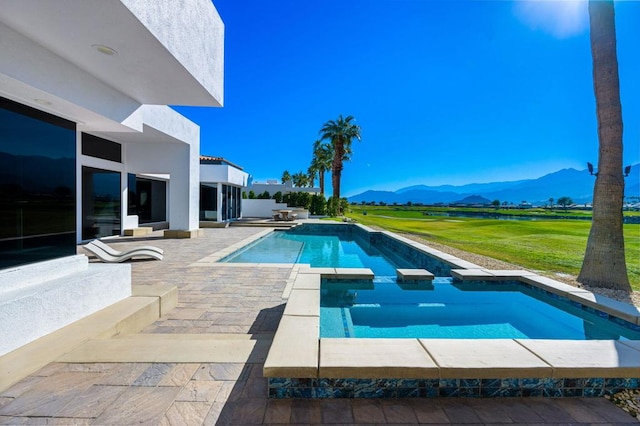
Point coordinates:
[(221, 186), (273, 186), (89, 146)]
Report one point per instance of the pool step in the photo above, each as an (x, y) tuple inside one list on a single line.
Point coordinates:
[(414, 275)]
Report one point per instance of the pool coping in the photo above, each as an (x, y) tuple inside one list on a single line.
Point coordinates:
[(302, 364)]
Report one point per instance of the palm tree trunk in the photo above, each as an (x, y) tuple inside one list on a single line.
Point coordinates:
[(335, 179), (321, 178), (604, 260), (337, 168)]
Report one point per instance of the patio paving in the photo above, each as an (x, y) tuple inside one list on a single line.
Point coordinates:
[(202, 362)]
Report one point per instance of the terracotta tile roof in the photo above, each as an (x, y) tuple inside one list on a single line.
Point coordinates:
[(207, 159)]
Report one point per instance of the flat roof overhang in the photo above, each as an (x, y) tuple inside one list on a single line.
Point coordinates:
[(165, 55)]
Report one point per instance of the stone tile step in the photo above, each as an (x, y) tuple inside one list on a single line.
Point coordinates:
[(414, 275), (138, 232), (211, 224), (352, 274), (168, 295), (172, 348), (127, 316), (183, 234)]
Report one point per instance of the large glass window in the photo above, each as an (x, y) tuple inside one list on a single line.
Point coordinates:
[(237, 202), (231, 202), (37, 185), (226, 202), (208, 201), (147, 199), (100, 203)]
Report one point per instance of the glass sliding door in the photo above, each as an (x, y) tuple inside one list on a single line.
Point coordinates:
[(231, 201), (100, 203), (237, 200), (147, 199)]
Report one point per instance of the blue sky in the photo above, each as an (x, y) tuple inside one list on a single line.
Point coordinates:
[(446, 92)]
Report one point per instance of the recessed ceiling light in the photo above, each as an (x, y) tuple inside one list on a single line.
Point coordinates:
[(106, 50), (42, 102)]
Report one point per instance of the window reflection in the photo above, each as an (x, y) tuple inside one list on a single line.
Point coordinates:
[(37, 185), (147, 199), (100, 203)]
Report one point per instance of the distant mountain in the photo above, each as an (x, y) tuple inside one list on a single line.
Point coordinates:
[(471, 188), (577, 184)]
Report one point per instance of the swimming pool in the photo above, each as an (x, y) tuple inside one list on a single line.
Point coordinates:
[(386, 308), (337, 250), (303, 364)]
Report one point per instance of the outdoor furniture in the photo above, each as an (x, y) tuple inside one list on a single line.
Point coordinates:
[(115, 252), (109, 255), (285, 214)]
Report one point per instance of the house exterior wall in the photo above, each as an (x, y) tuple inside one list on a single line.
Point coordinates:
[(261, 207), (284, 188), (198, 46), (163, 52), (224, 174)]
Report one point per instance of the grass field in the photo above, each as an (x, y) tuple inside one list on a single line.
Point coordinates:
[(554, 245)]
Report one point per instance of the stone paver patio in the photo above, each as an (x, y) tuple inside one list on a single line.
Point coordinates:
[(223, 324)]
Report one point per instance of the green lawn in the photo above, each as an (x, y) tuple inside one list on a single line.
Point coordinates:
[(548, 245)]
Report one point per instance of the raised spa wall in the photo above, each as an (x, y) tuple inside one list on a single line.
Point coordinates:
[(300, 364)]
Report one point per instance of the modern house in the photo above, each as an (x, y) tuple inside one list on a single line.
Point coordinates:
[(221, 185), (89, 147), (273, 186)]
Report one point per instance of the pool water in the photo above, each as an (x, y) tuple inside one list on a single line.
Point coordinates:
[(447, 310), (318, 251), (385, 308)]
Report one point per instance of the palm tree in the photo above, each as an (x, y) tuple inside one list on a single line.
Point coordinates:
[(300, 179), (311, 175), (286, 176), (340, 132), (604, 263), (322, 160)]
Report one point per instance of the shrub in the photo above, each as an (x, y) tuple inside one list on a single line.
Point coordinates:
[(337, 207), (318, 205), (297, 199), (333, 207)]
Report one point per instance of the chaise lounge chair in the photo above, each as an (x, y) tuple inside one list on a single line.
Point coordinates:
[(111, 255), (115, 252)]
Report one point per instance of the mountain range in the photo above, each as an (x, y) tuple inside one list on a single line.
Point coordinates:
[(576, 184)]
